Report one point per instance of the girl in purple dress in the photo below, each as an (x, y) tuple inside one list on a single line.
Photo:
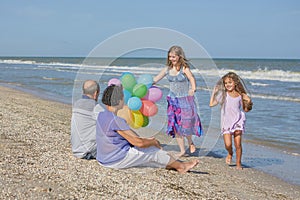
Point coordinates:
[(231, 94), (183, 119)]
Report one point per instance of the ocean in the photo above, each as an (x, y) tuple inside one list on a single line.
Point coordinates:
[(271, 142)]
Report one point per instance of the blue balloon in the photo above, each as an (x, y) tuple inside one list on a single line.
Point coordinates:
[(145, 79), (127, 95), (134, 103)]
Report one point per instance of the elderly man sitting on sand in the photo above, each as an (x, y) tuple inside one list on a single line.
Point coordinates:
[(120, 147), (83, 123)]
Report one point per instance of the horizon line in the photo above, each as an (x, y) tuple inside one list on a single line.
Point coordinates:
[(155, 57)]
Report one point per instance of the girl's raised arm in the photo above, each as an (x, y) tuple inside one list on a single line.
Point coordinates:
[(161, 74), (213, 101)]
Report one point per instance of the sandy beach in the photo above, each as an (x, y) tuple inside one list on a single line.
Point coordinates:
[(37, 163)]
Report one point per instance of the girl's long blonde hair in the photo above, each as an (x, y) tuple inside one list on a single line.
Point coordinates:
[(182, 60)]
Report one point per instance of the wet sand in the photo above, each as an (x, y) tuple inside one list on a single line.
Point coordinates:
[(37, 163)]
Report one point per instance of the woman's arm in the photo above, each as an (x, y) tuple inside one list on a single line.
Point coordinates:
[(161, 74), (137, 141), (192, 80)]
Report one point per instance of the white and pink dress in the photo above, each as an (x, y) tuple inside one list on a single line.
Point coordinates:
[(232, 116)]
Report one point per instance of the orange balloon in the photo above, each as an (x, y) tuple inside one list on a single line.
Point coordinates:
[(148, 108), (125, 113)]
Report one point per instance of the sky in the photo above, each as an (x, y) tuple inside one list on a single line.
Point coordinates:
[(226, 29)]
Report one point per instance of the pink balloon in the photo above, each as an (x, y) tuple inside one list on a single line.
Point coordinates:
[(114, 81), (148, 108), (154, 94)]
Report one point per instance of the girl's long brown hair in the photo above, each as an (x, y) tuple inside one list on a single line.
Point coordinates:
[(240, 86)]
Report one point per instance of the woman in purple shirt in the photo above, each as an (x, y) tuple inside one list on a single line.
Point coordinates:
[(120, 147)]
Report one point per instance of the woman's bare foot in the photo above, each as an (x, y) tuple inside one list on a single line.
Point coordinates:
[(192, 148), (186, 166), (228, 159)]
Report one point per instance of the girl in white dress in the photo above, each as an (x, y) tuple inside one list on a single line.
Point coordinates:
[(231, 94)]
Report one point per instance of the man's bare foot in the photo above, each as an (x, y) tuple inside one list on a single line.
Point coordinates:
[(186, 166), (192, 148), (228, 159)]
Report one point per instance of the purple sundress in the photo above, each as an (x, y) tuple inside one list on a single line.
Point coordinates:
[(182, 111)]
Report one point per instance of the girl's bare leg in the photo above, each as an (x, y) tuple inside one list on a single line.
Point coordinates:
[(228, 146), (191, 144), (180, 141), (238, 147)]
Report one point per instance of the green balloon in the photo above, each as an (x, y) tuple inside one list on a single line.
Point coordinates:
[(128, 81), (146, 121), (139, 90)]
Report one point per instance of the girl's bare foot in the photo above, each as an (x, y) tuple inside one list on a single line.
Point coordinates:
[(192, 148), (180, 154), (186, 166), (239, 167), (228, 159)]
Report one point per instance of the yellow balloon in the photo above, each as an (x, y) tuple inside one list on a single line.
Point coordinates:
[(137, 119)]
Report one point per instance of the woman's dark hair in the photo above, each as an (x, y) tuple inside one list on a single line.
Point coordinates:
[(112, 95)]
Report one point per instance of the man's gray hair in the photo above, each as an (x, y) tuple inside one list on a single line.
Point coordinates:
[(90, 87)]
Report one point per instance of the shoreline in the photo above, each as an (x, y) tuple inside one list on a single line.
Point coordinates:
[(37, 162)]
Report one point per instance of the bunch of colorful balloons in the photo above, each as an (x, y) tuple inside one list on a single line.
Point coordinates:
[(139, 98)]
